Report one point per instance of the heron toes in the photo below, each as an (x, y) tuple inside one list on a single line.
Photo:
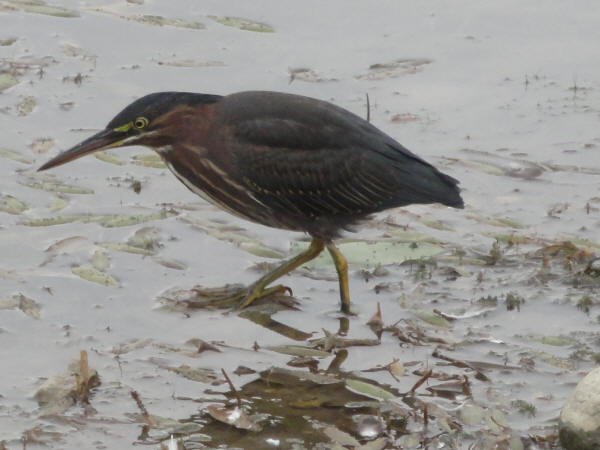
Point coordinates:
[(235, 296), (254, 293)]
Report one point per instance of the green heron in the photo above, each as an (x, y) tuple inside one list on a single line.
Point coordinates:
[(281, 160)]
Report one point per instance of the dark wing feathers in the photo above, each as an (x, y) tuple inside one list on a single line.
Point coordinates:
[(287, 133), (315, 159)]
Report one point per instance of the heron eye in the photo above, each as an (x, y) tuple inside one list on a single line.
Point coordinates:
[(140, 123)]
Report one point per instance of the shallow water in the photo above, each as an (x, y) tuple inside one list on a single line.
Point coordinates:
[(503, 97)]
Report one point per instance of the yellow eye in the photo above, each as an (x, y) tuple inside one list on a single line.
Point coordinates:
[(140, 123)]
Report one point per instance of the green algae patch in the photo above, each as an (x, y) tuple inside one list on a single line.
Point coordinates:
[(561, 363), (15, 156), (146, 238), (122, 247), (226, 233), (39, 7), (166, 21), (27, 305), (26, 106), (58, 204), (243, 24), (556, 341), (435, 224), (126, 220), (505, 222), (511, 238), (7, 80), (259, 249), (11, 205), (100, 260), (155, 20), (56, 186), (50, 221), (108, 221)]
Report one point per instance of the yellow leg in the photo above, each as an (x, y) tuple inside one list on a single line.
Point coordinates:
[(258, 288), (341, 266)]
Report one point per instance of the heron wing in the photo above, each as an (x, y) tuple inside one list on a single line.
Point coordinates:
[(304, 155)]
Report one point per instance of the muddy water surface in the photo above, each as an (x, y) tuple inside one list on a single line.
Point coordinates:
[(489, 315)]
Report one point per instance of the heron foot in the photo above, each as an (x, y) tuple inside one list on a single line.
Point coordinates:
[(230, 296)]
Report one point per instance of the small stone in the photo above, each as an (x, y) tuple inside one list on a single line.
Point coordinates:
[(579, 425)]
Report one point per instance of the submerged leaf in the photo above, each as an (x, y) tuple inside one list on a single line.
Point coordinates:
[(339, 436), (100, 260), (90, 273), (148, 160), (471, 414), (393, 69), (561, 363), (233, 416), (170, 263), (39, 7), (191, 63), (259, 249), (200, 375), (8, 41), (373, 253), (296, 350), (146, 238), (368, 389), (61, 391), (308, 75), (109, 157), (432, 318), (501, 165), (42, 145), (288, 377), (74, 51), (18, 301)]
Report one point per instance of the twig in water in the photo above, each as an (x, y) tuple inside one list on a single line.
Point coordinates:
[(232, 387), (424, 378), (142, 408), (85, 377)]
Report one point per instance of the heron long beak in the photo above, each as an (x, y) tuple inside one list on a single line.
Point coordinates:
[(103, 140)]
